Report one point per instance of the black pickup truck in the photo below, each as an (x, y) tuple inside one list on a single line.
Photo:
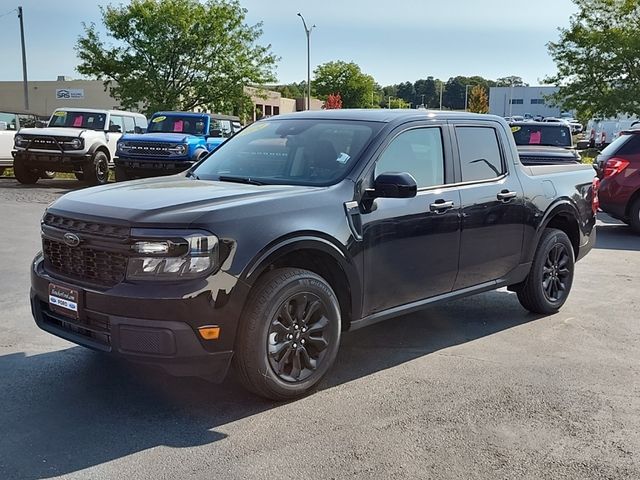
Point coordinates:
[(301, 227)]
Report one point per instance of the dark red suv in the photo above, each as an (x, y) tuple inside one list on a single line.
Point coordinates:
[(618, 167)]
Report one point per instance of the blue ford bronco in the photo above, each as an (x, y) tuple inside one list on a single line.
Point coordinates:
[(173, 142)]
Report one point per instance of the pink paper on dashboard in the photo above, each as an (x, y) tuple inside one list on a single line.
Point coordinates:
[(535, 138)]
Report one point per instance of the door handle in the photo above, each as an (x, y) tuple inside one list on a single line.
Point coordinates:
[(441, 206), (506, 195)]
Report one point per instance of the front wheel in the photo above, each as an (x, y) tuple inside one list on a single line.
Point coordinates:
[(549, 282), (96, 172), (25, 174), (46, 174), (289, 334)]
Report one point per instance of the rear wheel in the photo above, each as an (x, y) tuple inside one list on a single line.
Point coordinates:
[(634, 215), (549, 282), (25, 175), (47, 174), (96, 171), (121, 174), (289, 334)]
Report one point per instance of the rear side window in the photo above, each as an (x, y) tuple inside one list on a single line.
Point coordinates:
[(117, 122), (129, 125), (479, 150), (624, 145), (141, 124), (418, 152)]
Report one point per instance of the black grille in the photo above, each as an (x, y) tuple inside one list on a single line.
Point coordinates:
[(79, 226), (85, 264), (148, 148), (48, 143), (94, 327)]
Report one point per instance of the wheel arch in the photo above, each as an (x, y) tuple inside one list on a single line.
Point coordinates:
[(564, 216), (99, 147), (318, 255), (632, 199)]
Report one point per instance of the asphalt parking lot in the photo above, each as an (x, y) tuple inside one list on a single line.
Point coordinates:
[(477, 388)]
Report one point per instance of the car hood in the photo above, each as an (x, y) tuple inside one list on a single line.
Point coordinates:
[(170, 201), (158, 137), (59, 132)]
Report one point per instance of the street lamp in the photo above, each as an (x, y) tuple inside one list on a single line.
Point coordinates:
[(308, 32), (466, 97)]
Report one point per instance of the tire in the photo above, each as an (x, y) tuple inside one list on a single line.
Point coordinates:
[(79, 176), (96, 172), (1, 171), (634, 215), (47, 174), (291, 315), (121, 174), (549, 281), (24, 174)]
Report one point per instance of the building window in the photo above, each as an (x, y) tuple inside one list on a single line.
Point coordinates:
[(276, 110), (537, 101), (267, 110), (517, 101)]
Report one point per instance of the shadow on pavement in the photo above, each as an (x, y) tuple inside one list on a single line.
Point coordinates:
[(68, 410), (617, 236)]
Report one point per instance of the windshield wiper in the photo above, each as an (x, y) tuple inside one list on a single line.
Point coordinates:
[(193, 175), (247, 180)]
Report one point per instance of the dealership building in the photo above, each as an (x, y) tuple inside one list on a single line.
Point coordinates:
[(509, 101), (46, 96)]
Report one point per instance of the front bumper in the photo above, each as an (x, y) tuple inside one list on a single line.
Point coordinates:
[(52, 161), (143, 324)]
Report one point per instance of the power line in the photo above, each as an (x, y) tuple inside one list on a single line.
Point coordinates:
[(9, 12)]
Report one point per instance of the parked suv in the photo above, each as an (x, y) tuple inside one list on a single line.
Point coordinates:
[(618, 167), (10, 123), (303, 226), (78, 140), (174, 141)]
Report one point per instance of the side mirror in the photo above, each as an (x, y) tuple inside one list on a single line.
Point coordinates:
[(395, 185), (115, 129), (215, 133), (41, 124)]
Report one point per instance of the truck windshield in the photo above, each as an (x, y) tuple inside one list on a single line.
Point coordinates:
[(86, 120), (177, 124), (553, 135), (290, 152)]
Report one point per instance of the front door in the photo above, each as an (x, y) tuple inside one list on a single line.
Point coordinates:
[(492, 207), (411, 246)]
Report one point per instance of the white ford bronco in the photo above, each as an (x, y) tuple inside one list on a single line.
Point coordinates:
[(78, 140)]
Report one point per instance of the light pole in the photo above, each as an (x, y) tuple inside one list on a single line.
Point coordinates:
[(390, 97), (466, 97), (441, 90), (308, 32), (24, 62)]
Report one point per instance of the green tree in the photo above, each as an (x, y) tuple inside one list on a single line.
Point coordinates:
[(509, 81), (478, 100), (177, 54), (428, 88), (356, 88), (597, 58), (407, 92)]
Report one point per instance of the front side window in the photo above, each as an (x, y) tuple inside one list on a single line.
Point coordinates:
[(290, 152), (116, 124), (86, 120), (129, 125), (418, 152), (177, 124), (479, 151)]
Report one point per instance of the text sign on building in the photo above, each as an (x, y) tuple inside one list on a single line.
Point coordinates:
[(69, 93)]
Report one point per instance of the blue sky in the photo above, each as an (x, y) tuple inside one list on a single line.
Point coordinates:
[(393, 41)]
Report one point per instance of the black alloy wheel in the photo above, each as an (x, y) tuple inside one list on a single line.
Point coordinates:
[(297, 338), (555, 273), (289, 334), (549, 281)]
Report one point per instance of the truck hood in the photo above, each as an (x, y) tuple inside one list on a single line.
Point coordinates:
[(59, 132), (158, 137), (170, 201)]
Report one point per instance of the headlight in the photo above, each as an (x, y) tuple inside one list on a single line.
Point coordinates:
[(76, 143), (166, 257), (19, 141)]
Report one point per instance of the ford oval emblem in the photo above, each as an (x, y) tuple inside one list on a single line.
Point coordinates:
[(71, 239)]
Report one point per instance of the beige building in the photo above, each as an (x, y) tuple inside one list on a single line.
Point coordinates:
[(46, 96)]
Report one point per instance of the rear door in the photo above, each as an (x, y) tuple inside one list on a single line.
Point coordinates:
[(492, 205), (411, 245)]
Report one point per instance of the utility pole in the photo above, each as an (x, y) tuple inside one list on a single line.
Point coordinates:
[(389, 102), (466, 98), (308, 32), (24, 62), (441, 90), (422, 100)]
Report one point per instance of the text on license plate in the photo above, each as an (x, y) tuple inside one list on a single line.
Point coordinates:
[(63, 300)]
